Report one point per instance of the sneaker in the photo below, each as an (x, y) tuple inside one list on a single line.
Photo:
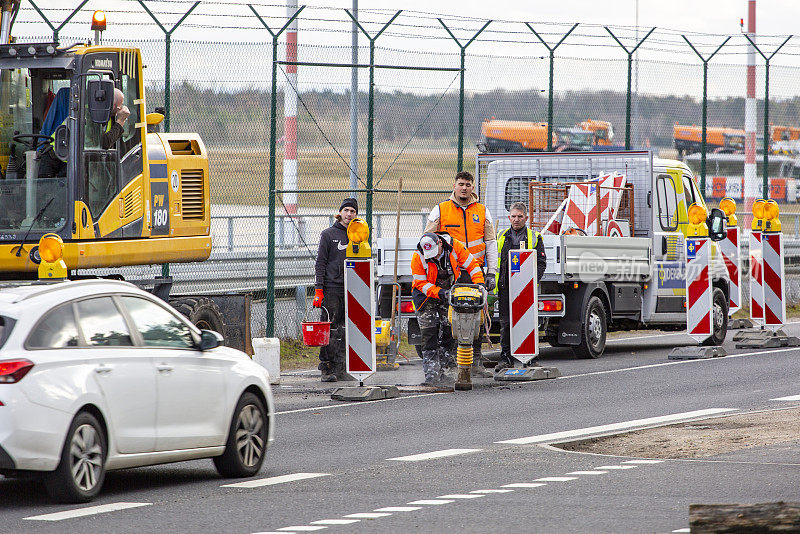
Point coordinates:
[(502, 364), (343, 376), (328, 378)]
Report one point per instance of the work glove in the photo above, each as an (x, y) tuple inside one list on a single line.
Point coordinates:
[(318, 296), (490, 282), (444, 294)]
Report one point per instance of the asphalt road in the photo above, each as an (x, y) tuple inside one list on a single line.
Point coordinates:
[(473, 461)]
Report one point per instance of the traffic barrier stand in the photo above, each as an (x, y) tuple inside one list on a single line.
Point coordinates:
[(359, 308), (770, 334), (731, 254), (699, 291), (524, 317)]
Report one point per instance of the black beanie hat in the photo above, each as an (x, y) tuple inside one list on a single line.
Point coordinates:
[(349, 203)]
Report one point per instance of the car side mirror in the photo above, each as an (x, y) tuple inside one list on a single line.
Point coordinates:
[(210, 340), (61, 142), (716, 224), (101, 100)]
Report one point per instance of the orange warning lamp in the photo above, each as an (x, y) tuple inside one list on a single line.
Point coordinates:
[(758, 214), (771, 212), (697, 221), (728, 207), (358, 235), (51, 250), (99, 21)]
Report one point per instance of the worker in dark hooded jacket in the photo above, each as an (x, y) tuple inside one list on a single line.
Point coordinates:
[(435, 266), (329, 289)]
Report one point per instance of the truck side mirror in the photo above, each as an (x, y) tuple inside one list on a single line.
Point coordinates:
[(101, 100), (716, 224), (61, 142)]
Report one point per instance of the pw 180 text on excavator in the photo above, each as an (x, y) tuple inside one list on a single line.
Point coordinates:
[(116, 195)]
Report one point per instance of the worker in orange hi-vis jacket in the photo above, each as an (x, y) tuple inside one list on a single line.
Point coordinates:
[(470, 222), (436, 265)]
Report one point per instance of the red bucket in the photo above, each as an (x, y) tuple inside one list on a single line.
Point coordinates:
[(316, 333)]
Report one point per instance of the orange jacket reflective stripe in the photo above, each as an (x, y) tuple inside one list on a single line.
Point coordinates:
[(424, 272)]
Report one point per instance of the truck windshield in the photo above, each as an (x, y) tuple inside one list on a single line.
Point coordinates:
[(33, 183)]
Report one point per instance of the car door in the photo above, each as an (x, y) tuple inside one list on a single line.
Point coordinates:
[(665, 297), (191, 410), (124, 373)]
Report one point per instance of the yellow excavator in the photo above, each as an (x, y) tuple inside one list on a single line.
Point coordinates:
[(114, 198)]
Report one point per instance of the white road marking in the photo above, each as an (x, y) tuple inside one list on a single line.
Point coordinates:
[(790, 398), (567, 434), (331, 407), (493, 491), (303, 528), (460, 496), (274, 480), (335, 521), (617, 467), (681, 362), (399, 509), (90, 510), (643, 462), (588, 473), (368, 515), (432, 502), (523, 485), (682, 530), (555, 479), (433, 455)]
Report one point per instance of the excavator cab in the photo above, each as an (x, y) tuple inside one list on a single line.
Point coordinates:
[(115, 198)]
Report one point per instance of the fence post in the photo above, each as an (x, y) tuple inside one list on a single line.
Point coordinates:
[(270, 312), (765, 179), (371, 109), (460, 159), (63, 23), (628, 102), (705, 109), (552, 51), (167, 44)]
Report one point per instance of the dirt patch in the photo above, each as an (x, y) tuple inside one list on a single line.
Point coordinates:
[(699, 439)]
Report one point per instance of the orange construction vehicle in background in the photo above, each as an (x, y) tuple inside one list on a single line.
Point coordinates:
[(523, 136), (688, 139)]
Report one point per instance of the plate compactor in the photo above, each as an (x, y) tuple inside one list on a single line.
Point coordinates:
[(466, 319)]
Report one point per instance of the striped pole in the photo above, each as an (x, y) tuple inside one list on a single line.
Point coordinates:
[(751, 185), (290, 114), (523, 303), (359, 309), (698, 288)]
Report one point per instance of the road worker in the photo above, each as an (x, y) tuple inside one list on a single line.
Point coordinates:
[(329, 289), (519, 236), (436, 265), (469, 221)]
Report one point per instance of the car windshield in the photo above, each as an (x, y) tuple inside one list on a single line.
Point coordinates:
[(33, 192)]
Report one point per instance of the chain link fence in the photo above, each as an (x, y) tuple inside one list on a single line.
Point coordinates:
[(219, 84)]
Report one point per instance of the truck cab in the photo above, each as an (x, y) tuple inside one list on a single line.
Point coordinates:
[(142, 199)]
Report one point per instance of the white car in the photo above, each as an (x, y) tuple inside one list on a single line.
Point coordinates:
[(97, 375)]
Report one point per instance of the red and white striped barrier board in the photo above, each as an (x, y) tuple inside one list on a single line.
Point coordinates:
[(698, 288), (359, 309), (523, 301), (729, 247), (756, 271), (774, 287)]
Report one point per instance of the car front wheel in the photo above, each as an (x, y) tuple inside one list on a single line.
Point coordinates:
[(247, 440), (82, 469)]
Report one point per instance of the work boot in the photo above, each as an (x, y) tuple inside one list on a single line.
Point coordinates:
[(431, 367), (478, 369), (328, 378), (533, 363)]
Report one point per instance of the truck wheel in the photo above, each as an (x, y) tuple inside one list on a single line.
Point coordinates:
[(719, 318), (593, 340), (201, 311)]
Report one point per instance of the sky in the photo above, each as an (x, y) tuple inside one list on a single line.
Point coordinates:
[(324, 29)]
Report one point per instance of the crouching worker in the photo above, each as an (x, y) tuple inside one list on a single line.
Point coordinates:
[(435, 266)]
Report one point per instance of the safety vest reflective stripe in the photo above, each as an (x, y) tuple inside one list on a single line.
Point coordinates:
[(426, 287), (474, 271), (465, 224), (420, 277)]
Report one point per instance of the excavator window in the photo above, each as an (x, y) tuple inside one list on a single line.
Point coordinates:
[(100, 166)]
